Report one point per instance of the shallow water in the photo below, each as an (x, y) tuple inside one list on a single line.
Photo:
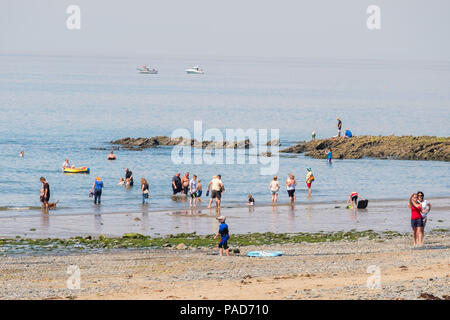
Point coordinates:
[(55, 107), (329, 217)]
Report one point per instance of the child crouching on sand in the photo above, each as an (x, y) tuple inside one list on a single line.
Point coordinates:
[(224, 236)]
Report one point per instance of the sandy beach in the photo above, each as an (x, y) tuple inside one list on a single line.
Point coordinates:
[(328, 270)]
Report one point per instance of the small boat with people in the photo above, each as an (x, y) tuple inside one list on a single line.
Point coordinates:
[(195, 70), (76, 170), (147, 70)]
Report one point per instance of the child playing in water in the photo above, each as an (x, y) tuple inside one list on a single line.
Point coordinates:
[(251, 200), (224, 236), (121, 181)]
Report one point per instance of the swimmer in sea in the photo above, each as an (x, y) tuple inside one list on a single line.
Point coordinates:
[(111, 156)]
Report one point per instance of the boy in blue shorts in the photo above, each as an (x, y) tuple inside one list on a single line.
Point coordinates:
[(224, 236)]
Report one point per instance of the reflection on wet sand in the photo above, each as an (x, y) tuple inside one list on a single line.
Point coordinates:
[(308, 209), (380, 216), (45, 220)]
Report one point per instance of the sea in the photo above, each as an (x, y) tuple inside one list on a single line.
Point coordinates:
[(55, 107)]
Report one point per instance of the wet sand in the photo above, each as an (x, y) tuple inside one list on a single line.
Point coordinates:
[(334, 270), (392, 215)]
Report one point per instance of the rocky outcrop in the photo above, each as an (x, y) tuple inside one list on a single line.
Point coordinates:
[(142, 143), (383, 147)]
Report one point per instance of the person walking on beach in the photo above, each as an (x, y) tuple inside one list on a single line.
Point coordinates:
[(128, 177), (144, 190), (426, 207), (224, 235), (193, 191), (309, 180), (416, 219), (216, 187), (274, 188), (339, 126), (290, 187), (185, 183), (45, 193), (97, 190), (176, 183)]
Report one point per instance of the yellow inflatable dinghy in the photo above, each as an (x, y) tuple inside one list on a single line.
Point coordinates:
[(76, 170)]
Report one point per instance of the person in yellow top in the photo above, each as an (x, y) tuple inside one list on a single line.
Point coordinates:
[(309, 180)]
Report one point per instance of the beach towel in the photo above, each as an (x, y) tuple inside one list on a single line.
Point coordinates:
[(264, 253)]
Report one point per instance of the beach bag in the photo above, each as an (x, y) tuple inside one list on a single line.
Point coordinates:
[(362, 204)]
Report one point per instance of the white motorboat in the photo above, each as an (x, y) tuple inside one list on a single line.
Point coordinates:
[(146, 70), (195, 70)]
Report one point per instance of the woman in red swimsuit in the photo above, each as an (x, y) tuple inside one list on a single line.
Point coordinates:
[(416, 219)]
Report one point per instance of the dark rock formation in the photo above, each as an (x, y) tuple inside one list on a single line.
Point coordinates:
[(142, 143), (384, 147)]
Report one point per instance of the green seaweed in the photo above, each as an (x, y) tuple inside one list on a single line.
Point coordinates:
[(193, 240)]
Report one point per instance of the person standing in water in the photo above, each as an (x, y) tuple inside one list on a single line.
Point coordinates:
[(144, 190), (193, 191), (290, 187), (274, 188), (21, 154), (416, 219), (97, 190), (216, 187), (339, 126), (45, 193), (185, 183), (329, 155), (199, 191), (309, 180), (128, 177), (313, 135), (176, 183)]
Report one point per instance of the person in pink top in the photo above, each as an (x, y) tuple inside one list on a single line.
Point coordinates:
[(416, 219)]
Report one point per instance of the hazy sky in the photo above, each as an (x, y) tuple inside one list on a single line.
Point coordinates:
[(410, 29)]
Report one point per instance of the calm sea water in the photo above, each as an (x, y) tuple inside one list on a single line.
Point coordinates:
[(56, 107)]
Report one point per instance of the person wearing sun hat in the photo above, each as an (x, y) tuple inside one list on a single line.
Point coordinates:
[(97, 190), (224, 236), (309, 179)]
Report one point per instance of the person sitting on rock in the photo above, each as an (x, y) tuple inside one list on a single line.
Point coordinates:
[(348, 134)]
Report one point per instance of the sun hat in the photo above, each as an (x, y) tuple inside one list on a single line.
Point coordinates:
[(221, 218), (308, 168)]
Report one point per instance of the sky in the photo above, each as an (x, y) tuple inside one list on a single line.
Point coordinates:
[(410, 29)]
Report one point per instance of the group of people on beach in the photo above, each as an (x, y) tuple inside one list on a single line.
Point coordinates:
[(291, 184), (193, 188)]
